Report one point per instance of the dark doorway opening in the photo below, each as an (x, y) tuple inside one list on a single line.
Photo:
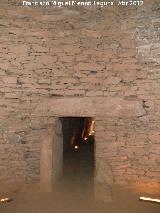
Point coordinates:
[(78, 152)]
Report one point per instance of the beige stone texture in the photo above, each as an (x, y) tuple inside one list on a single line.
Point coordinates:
[(80, 62)]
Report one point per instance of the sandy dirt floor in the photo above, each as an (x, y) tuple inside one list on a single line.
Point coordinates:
[(74, 194), (71, 200)]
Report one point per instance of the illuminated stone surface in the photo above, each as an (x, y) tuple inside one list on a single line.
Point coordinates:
[(101, 63)]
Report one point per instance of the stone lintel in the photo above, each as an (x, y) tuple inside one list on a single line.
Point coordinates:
[(84, 106)]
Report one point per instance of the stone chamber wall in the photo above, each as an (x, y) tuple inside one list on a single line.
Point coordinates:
[(79, 53)]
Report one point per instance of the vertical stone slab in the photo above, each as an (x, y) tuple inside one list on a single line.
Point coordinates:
[(57, 151), (46, 160), (103, 179)]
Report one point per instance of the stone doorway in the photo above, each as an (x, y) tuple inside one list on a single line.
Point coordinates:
[(78, 152), (67, 152), (102, 110)]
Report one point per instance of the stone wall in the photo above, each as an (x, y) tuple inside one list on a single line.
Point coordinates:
[(108, 58)]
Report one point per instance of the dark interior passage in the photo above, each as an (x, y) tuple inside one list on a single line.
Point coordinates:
[(78, 151)]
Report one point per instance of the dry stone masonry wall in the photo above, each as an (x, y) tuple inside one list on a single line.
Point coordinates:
[(109, 53)]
